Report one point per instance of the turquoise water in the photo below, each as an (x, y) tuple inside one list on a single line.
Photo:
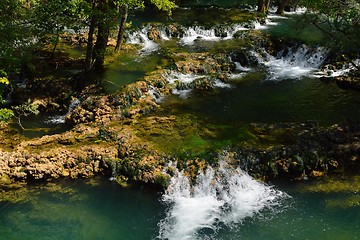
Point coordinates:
[(76, 210), (103, 210)]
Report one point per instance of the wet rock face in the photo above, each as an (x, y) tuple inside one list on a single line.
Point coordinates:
[(314, 151), (345, 82), (203, 63), (154, 34)]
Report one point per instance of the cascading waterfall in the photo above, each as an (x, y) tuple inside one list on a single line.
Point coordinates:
[(61, 119), (188, 36), (141, 37), (222, 197), (293, 63)]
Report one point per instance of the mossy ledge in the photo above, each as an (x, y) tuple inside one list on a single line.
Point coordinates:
[(103, 139)]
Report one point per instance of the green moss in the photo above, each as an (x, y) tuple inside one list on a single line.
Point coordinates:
[(14, 193), (344, 202), (333, 185)]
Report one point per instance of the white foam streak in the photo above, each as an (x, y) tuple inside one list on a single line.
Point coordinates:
[(220, 84), (268, 22), (223, 196), (241, 68)]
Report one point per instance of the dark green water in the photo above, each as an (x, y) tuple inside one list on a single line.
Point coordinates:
[(258, 100)]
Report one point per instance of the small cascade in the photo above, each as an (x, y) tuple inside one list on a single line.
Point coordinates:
[(184, 83), (193, 33), (181, 82), (155, 94), (172, 77), (220, 84), (293, 63), (141, 37), (61, 118), (240, 70), (222, 197), (213, 34)]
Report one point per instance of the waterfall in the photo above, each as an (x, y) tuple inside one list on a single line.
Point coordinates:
[(193, 33), (141, 37), (221, 197), (60, 119), (293, 63)]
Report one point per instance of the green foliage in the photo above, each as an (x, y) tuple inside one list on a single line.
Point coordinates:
[(6, 114), (340, 20), (15, 37), (24, 110), (3, 81), (164, 5)]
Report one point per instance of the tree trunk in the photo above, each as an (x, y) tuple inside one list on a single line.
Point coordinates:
[(121, 29), (281, 6), (90, 41), (100, 45), (263, 6)]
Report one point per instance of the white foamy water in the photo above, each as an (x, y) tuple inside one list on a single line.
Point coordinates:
[(155, 94), (295, 64), (222, 197), (220, 84), (185, 80), (193, 33), (240, 68), (141, 37), (197, 32), (60, 119), (176, 77), (173, 76)]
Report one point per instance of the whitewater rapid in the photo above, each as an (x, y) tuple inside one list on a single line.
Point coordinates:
[(221, 197)]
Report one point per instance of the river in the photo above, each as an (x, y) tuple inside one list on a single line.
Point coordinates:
[(225, 203)]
